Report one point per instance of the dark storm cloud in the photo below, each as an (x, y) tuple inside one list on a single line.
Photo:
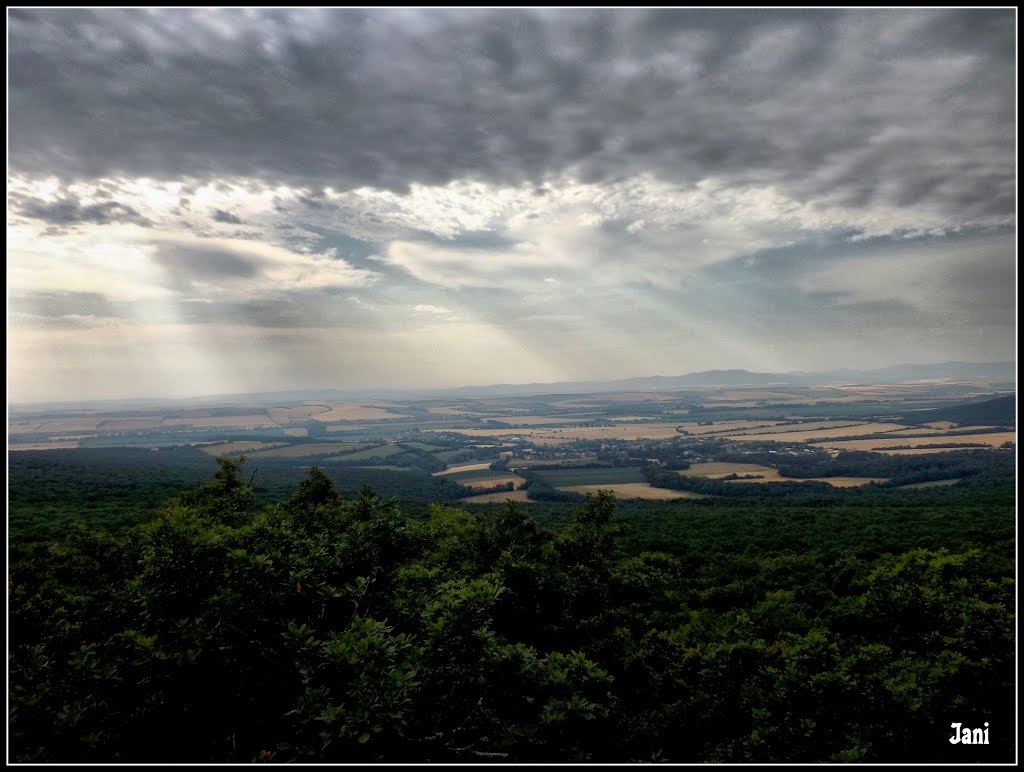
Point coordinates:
[(67, 211), (219, 215), (861, 107), (185, 264)]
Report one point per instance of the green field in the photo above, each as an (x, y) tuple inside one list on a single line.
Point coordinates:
[(381, 451), (559, 477), (448, 455), (480, 475), (423, 446), (929, 484)]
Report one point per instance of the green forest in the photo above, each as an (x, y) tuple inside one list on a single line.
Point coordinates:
[(336, 628)]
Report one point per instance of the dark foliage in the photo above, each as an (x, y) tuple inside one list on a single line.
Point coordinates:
[(333, 628)]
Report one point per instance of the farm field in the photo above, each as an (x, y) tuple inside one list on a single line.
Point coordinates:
[(835, 482), (912, 451), (760, 396), (53, 445), (125, 424), (774, 427), (490, 482), (634, 491), (453, 410), (658, 431), (241, 446), (347, 412), (725, 427), (362, 452), (994, 439), (445, 455), (464, 468), (816, 434), (20, 427), (558, 478), (929, 484), (532, 420), (220, 422), (423, 446), (296, 432), (67, 425), (499, 496), (308, 449), (288, 415), (716, 470)]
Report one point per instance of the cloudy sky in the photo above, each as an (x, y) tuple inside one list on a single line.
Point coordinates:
[(214, 201)]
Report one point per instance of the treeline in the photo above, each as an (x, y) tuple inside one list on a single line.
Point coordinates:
[(539, 489), (333, 629), (900, 469), (114, 488)]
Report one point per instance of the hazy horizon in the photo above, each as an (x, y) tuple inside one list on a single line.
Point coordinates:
[(423, 391), (212, 202)]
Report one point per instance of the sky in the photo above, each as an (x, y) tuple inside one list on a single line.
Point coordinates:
[(248, 200)]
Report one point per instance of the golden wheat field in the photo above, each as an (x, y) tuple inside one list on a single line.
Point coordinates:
[(288, 415), (920, 432), (130, 424), (912, 451), (634, 491), (530, 420), (23, 427), (716, 470), (994, 439), (801, 427), (66, 425), (819, 434), (254, 421), (657, 431), (725, 427), (352, 412), (453, 410), (297, 432), (464, 468)]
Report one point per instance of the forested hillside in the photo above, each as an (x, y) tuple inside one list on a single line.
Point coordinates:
[(337, 629), (1001, 411)]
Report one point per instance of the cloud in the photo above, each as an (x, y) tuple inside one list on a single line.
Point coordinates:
[(69, 211), (204, 263), (425, 308), (848, 108), (219, 215), (618, 190), (964, 284)]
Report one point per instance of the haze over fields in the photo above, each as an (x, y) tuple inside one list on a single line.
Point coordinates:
[(256, 200)]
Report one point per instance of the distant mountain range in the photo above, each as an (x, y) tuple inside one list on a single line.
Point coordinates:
[(1002, 373)]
